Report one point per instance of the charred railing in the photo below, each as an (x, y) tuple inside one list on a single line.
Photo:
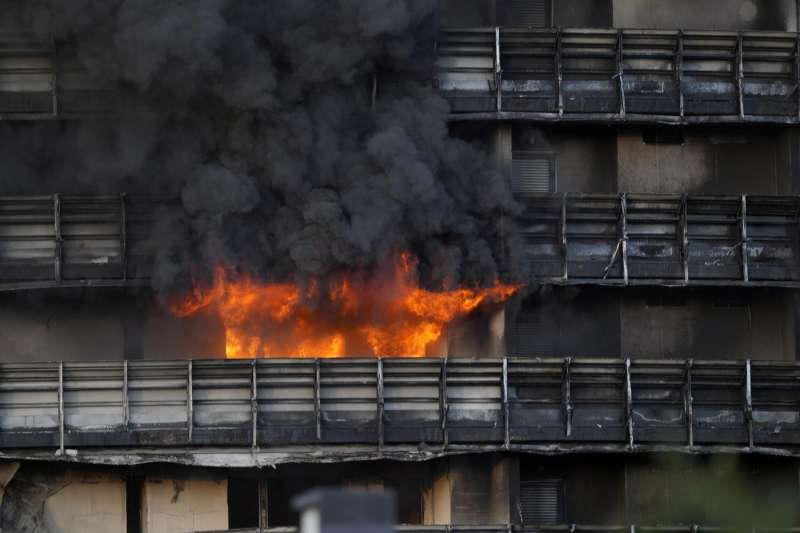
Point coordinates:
[(620, 75), (663, 239), (444, 404), (60, 241)]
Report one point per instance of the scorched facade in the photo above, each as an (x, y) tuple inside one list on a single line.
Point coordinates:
[(645, 379)]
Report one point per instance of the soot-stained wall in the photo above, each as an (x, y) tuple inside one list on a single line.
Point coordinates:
[(653, 323), (585, 157), (711, 161), (100, 324), (723, 15)]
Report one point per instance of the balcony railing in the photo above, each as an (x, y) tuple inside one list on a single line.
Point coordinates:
[(568, 74), (663, 239), (62, 241), (620, 75), (59, 241), (397, 404)]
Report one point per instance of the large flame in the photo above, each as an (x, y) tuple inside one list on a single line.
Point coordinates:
[(356, 314)]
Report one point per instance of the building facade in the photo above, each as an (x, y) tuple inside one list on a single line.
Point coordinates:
[(646, 380)]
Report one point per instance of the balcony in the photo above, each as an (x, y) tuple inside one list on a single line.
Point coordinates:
[(570, 239), (301, 409), (629, 76)]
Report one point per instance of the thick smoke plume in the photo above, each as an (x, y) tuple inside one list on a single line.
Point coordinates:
[(258, 116)]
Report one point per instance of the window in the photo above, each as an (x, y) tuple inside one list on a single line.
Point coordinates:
[(542, 502), (533, 172)]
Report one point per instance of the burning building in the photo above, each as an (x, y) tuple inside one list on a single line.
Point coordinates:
[(531, 264)]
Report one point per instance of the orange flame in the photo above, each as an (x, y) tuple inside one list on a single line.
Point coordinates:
[(355, 315)]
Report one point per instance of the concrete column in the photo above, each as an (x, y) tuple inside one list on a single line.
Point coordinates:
[(182, 505), (471, 490)]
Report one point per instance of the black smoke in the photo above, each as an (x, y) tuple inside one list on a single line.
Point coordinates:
[(258, 116)]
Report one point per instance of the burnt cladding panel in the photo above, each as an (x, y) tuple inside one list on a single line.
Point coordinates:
[(524, 13)]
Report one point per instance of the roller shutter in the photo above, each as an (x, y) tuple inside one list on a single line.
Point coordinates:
[(533, 173), (541, 502), (524, 13)]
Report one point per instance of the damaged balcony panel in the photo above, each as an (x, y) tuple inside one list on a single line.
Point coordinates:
[(598, 391), (659, 401), (27, 238), (709, 73), (27, 77), (593, 237), (714, 238), (776, 403), (466, 69), (654, 237), (30, 407), (287, 401), (158, 402), (94, 403), (348, 401), (589, 71), (413, 401), (772, 238), (91, 235), (538, 397), (719, 402), (530, 80), (541, 226), (221, 402), (474, 401), (651, 72), (769, 74)]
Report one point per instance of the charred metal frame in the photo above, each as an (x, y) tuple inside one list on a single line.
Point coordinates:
[(402, 407), (663, 240), (630, 76)]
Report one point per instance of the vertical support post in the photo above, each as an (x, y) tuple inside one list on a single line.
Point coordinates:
[(254, 402), (123, 235), (54, 87), (263, 504), (740, 74), (126, 411), (58, 253), (620, 68), (559, 74), (623, 206), (797, 73), (189, 400), (498, 71), (567, 398), (379, 393), (679, 73), (61, 408), (689, 402), (317, 399), (443, 407), (685, 237), (743, 236), (629, 401), (748, 401), (506, 410), (563, 229)]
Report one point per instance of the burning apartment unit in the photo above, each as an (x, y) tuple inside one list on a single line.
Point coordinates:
[(532, 265)]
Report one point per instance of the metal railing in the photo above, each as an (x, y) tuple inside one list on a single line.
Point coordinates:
[(620, 75), (600, 239), (445, 404)]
